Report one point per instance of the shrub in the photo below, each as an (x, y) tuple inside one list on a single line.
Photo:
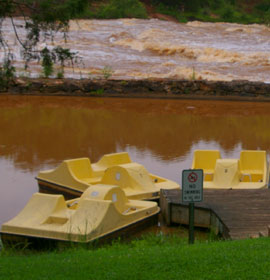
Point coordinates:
[(263, 6), (123, 9), (227, 14), (107, 72), (171, 11), (47, 62), (60, 74), (7, 73)]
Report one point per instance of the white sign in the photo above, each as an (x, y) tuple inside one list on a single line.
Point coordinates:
[(192, 185)]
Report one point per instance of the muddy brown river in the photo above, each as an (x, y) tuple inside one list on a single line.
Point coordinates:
[(137, 49), (37, 133)]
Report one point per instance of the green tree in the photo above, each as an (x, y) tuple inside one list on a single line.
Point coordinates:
[(192, 5), (123, 8)]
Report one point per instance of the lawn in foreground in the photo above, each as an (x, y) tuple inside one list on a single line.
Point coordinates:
[(150, 258)]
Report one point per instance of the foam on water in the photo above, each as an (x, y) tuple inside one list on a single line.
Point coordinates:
[(137, 48)]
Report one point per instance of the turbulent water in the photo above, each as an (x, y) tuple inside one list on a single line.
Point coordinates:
[(137, 49)]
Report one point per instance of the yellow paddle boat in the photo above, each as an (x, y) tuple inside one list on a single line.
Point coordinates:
[(102, 211), (73, 177), (248, 172)]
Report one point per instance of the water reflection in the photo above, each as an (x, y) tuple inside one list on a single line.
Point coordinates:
[(39, 132)]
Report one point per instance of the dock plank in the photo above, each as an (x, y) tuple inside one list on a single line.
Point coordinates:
[(245, 212)]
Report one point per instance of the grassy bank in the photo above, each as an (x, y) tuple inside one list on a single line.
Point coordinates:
[(150, 258)]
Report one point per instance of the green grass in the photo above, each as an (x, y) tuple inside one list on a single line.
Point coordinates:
[(150, 258)]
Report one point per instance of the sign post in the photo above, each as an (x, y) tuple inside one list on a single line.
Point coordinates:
[(192, 191), (191, 223)]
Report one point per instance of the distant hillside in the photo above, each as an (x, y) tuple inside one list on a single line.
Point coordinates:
[(241, 11), (249, 11)]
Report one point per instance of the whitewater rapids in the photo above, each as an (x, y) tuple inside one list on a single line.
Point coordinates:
[(139, 49)]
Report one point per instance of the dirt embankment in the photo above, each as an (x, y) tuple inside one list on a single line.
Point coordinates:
[(150, 88)]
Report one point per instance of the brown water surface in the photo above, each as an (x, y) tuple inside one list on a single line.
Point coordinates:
[(37, 133), (136, 49)]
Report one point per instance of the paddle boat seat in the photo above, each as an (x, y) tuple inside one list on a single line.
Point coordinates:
[(206, 160), (253, 166), (78, 173), (83, 170), (249, 171), (110, 160), (136, 182)]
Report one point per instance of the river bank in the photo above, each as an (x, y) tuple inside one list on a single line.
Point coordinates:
[(146, 88)]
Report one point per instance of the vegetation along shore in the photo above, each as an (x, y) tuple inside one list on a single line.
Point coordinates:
[(146, 88)]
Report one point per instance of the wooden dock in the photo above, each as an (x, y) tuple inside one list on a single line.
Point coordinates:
[(235, 214)]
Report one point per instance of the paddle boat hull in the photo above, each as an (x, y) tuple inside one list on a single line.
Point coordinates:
[(102, 212), (74, 176), (250, 171)]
